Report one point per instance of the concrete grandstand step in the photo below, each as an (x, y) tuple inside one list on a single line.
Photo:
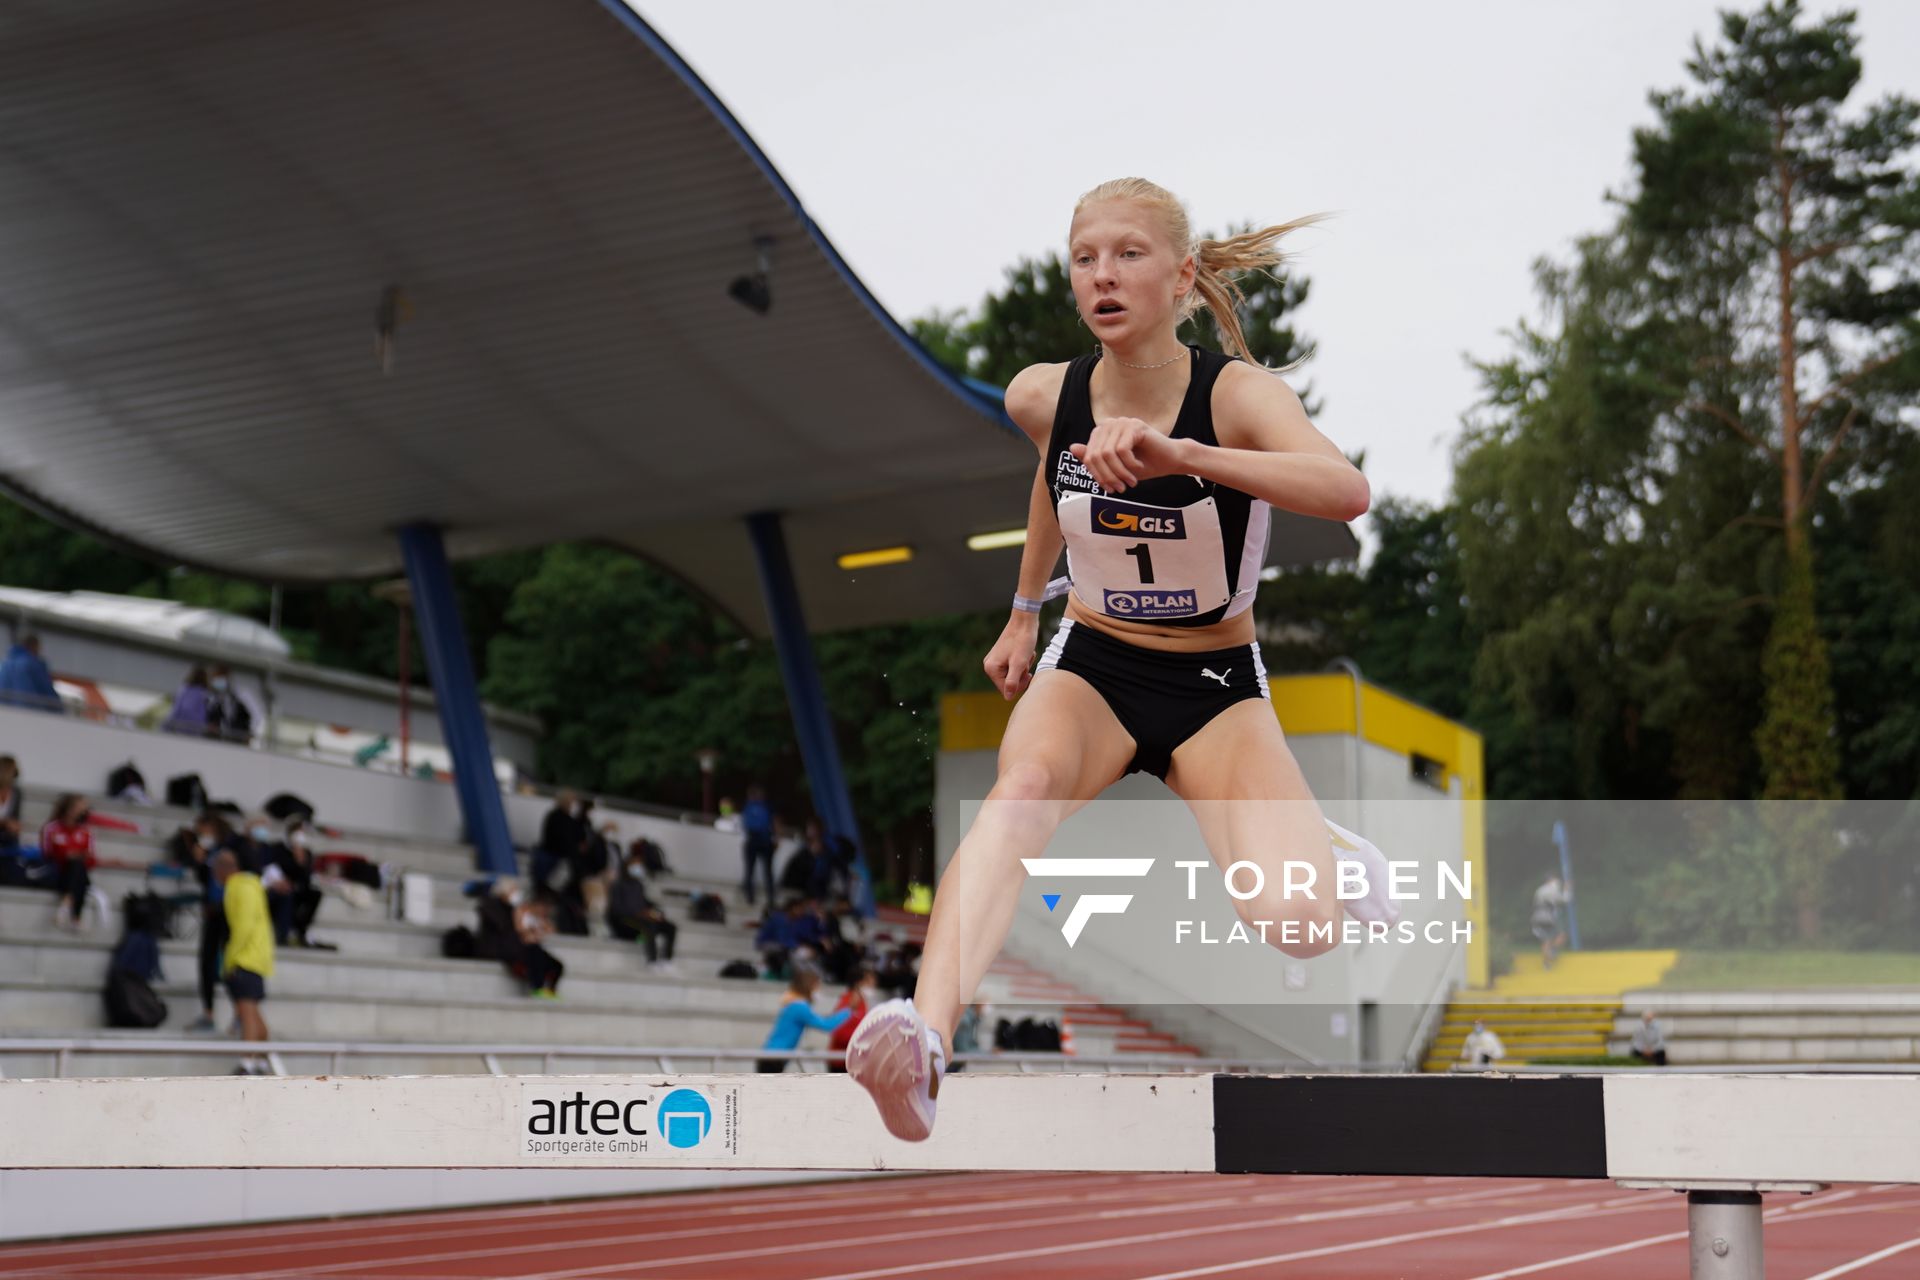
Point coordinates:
[(50, 1008), (1851, 1025), (77, 963), (25, 917)]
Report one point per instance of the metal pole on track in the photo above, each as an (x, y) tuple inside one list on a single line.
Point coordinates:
[(1723, 1236)]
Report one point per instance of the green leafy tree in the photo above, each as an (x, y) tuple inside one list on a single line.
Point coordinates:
[(1780, 234)]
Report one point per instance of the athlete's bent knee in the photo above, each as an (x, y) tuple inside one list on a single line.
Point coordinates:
[(1029, 780)]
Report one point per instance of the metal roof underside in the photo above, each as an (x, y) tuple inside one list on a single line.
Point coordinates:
[(203, 201)]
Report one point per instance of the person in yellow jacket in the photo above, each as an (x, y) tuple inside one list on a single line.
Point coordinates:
[(249, 958)]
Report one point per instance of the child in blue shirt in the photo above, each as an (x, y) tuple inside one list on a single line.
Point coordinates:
[(796, 1015)]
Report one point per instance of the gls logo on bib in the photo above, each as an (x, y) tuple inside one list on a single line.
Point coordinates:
[(1140, 522)]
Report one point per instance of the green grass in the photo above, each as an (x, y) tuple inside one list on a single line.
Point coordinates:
[(1755, 970)]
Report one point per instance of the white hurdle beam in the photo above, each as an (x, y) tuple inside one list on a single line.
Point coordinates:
[(1723, 1139), (1708, 1131)]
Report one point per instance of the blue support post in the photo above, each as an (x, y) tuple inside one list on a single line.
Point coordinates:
[(462, 720), (805, 695), (1566, 878)]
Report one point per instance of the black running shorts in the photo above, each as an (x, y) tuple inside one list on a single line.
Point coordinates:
[(1161, 699)]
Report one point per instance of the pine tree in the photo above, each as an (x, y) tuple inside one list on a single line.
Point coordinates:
[(1761, 209)]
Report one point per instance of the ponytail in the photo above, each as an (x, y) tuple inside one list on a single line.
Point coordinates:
[(1217, 262)]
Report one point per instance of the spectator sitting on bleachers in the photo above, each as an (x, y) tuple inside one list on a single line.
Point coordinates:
[(862, 994), (796, 1015), (899, 971), (1482, 1047), (1649, 1040), (843, 945), (809, 928), (9, 806), (652, 858), (533, 924), (67, 844), (778, 938), (191, 706), (287, 872), (228, 715), (590, 869), (632, 914), (495, 938), (561, 836), (802, 867), (25, 680), (128, 784)]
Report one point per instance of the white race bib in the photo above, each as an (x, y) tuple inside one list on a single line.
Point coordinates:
[(1131, 560)]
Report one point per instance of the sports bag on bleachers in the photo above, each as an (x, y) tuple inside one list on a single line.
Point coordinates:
[(285, 806), (707, 909), (187, 792), (148, 912), (132, 1002)]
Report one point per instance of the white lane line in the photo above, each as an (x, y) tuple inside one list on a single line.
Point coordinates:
[(1868, 1260), (1577, 1213), (1407, 1206), (1151, 1203), (359, 1233), (646, 1237), (1588, 1256), (1781, 1214), (740, 1200), (830, 1246), (1088, 1246)]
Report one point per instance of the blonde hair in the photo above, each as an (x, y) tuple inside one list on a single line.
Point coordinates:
[(1215, 262)]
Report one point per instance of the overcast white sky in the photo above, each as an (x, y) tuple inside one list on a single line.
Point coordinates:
[(937, 143)]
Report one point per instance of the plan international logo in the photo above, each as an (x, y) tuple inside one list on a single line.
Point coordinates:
[(1088, 905)]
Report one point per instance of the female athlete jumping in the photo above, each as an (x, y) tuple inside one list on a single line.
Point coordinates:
[(1158, 465)]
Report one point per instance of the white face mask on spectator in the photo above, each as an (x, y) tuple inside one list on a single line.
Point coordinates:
[(219, 684), (206, 841), (298, 839), (263, 834)]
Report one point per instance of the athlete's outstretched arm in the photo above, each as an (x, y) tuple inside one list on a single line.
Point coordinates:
[(1269, 448)]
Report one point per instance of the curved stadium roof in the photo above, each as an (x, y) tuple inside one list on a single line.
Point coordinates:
[(204, 202)]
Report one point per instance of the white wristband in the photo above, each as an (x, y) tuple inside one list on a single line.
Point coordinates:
[(1026, 604)]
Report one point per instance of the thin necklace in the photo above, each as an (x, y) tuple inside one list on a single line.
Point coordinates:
[(1131, 365)]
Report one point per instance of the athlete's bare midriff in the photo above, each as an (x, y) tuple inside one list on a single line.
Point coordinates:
[(1227, 633)]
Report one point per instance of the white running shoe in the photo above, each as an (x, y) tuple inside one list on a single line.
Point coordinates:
[(1377, 905), (898, 1058)]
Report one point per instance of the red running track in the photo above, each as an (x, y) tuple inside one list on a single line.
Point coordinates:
[(1015, 1226)]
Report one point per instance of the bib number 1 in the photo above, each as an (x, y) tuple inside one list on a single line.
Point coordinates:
[(1144, 559)]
